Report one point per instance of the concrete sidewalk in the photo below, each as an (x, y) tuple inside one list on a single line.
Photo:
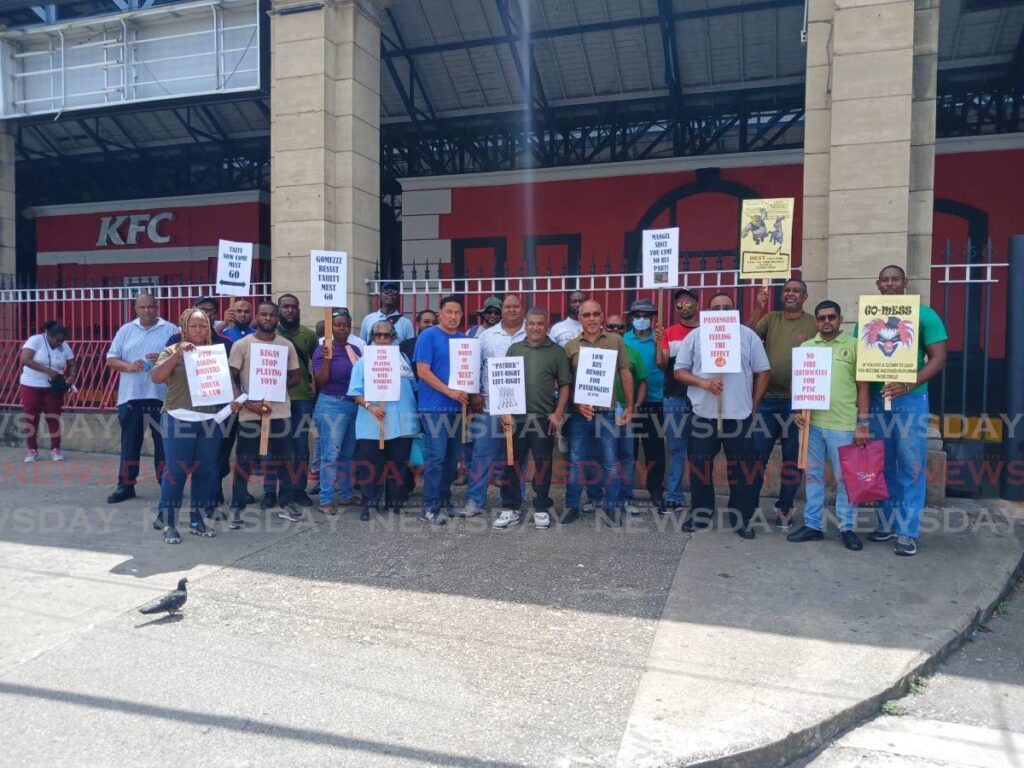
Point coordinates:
[(393, 644)]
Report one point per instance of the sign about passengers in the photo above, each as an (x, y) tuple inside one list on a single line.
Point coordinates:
[(328, 278), (661, 258), (720, 344), (595, 377), (812, 378)]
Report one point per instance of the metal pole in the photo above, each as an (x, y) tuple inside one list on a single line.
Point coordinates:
[(1013, 438)]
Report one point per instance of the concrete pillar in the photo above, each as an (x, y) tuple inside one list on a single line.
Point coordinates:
[(8, 211), (325, 142), (869, 144)]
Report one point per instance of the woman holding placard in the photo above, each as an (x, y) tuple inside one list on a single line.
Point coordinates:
[(335, 413), (190, 435), (384, 430)]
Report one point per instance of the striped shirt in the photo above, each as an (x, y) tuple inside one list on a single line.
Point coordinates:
[(133, 342)]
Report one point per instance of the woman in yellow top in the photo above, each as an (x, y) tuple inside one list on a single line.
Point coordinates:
[(190, 446)]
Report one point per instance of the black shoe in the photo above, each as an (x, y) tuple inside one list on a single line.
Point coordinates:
[(612, 518), (269, 500), (905, 546), (880, 535), (803, 533), (364, 514), (696, 523), (745, 533), (249, 498), (571, 516), (690, 525), (171, 536), (122, 493), (315, 490), (199, 529), (158, 524), (236, 520), (289, 511), (302, 499), (852, 541), (215, 514)]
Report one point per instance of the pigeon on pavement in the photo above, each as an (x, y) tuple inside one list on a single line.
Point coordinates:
[(171, 602)]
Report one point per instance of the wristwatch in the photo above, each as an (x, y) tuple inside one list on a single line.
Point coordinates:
[(863, 422)]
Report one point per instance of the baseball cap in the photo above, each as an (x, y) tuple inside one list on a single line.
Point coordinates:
[(390, 285), (692, 292), (203, 300)]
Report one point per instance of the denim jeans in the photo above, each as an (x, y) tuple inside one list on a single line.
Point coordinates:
[(336, 424), (775, 422), (704, 444), (824, 447), (442, 438), (625, 451), (650, 431), (191, 448), (302, 411), (904, 430), (133, 417), (677, 429), (600, 435), (484, 465)]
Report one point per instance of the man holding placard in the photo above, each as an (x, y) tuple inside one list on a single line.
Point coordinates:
[(265, 366), (676, 408), (726, 371), (546, 370), (781, 331), (596, 358), (903, 347), (825, 384), (440, 410)]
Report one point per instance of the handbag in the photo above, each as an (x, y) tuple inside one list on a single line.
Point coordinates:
[(59, 385), (863, 471)]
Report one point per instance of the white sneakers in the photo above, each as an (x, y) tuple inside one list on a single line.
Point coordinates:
[(31, 457), (56, 455), (541, 520), (631, 508), (470, 509), (507, 519)]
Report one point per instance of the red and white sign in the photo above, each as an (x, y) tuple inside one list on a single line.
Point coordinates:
[(464, 365), (382, 374), (268, 373), (720, 344), (812, 378), (209, 377)]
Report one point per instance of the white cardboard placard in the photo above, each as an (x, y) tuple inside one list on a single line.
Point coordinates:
[(506, 385), (382, 374), (661, 258), (208, 374), (328, 278), (464, 365), (234, 268), (720, 344), (812, 378), (595, 377), (268, 373)]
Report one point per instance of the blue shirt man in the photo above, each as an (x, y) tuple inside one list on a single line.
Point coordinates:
[(645, 338), (388, 311)]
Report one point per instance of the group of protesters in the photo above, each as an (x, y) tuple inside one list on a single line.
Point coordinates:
[(367, 455)]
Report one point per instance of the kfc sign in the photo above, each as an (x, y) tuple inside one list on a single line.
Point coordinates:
[(126, 230)]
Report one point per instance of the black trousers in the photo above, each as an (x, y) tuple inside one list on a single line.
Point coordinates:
[(382, 471), (134, 417), (229, 430), (649, 426), (530, 437), (277, 462), (702, 446)]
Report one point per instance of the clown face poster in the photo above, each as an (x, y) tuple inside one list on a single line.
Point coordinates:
[(888, 333)]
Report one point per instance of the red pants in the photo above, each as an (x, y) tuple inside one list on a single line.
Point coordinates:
[(42, 401)]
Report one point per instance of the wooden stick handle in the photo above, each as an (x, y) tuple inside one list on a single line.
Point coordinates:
[(805, 440), (264, 434), (718, 398), (464, 439), (328, 334), (380, 443), (509, 454)]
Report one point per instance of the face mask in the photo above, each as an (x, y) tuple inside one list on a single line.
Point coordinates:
[(641, 323)]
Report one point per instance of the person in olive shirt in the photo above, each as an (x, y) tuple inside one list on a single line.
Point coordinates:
[(301, 397), (592, 427), (546, 368), (845, 422), (780, 331)]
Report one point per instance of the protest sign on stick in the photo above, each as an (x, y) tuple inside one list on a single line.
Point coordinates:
[(464, 370), (766, 237), (506, 384), (328, 287), (234, 268), (811, 388), (888, 328), (720, 346), (268, 381), (208, 374), (382, 378), (595, 377), (661, 258)]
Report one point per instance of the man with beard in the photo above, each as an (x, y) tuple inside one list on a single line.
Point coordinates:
[(301, 398), (565, 331), (388, 311), (905, 428), (238, 321), (676, 405), (780, 331), (278, 462)]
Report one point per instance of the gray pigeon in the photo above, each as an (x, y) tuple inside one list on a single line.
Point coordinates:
[(171, 602)]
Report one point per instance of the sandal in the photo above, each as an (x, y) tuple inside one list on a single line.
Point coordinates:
[(171, 536), (200, 529), (327, 509)]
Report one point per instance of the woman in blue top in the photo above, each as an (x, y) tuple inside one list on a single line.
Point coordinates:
[(387, 467), (335, 413)]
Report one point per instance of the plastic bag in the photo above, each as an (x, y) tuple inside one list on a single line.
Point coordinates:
[(863, 472)]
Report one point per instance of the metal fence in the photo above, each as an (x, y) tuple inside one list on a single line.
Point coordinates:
[(92, 316)]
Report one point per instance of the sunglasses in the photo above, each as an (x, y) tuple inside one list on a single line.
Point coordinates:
[(615, 327), (686, 304), (383, 335), (492, 311), (588, 315), (827, 318)]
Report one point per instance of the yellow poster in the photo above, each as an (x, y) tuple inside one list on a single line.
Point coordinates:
[(888, 331), (766, 238)]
